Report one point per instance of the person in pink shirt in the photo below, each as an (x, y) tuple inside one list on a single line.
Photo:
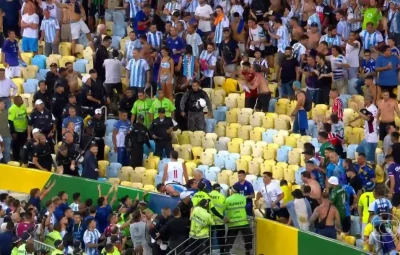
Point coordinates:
[(26, 224)]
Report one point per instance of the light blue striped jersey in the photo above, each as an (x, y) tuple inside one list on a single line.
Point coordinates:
[(370, 40), (392, 17), (138, 69), (171, 7), (314, 19), (336, 40), (155, 39), (338, 71), (284, 40), (188, 66), (74, 207), (50, 27), (298, 50), (354, 13), (395, 51), (195, 41), (129, 46), (190, 7), (343, 29), (134, 6), (210, 59), (218, 34), (91, 237)]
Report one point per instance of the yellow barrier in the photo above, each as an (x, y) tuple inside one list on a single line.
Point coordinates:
[(21, 179)]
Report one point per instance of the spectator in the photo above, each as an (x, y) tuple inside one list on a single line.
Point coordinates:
[(175, 171), (50, 33), (30, 24), (313, 202), (363, 204), (112, 68), (387, 141), (160, 130), (11, 54), (313, 184), (198, 177), (230, 51), (272, 195), (92, 238), (324, 73), (299, 210), (120, 131), (336, 197), (177, 229), (246, 189), (7, 239), (90, 165)]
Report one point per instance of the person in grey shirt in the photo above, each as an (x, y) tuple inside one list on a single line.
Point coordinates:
[(140, 233), (6, 85), (387, 141), (5, 130)]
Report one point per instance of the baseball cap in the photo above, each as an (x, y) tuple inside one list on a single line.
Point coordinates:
[(370, 186), (25, 236), (333, 180), (314, 24), (236, 187), (16, 239), (98, 111), (39, 101), (217, 186), (185, 194), (35, 130), (141, 117), (161, 110), (85, 78)]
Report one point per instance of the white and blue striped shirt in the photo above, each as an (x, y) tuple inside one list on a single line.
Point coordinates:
[(210, 59), (343, 29), (338, 71), (331, 40), (188, 66), (49, 27), (91, 237), (314, 19), (171, 7), (129, 46), (339, 3), (284, 40), (74, 207), (138, 69), (195, 41), (392, 17), (354, 13), (218, 34), (370, 40), (190, 7), (134, 6), (155, 39)]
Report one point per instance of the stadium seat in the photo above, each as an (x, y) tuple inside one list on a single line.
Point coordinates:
[(29, 72), (66, 59), (268, 122), (210, 125), (212, 136), (207, 158), (110, 125), (350, 240), (277, 173), (41, 75), (80, 65), (31, 86), (113, 169), (39, 61), (103, 164), (14, 163), (115, 42), (27, 57), (65, 48)]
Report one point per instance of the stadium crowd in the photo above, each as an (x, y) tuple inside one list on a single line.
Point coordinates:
[(196, 82)]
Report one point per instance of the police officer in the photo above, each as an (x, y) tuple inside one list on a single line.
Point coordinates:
[(43, 94), (161, 129), (92, 93), (99, 131), (73, 149), (127, 101), (59, 101), (72, 102), (42, 119), (218, 200), (42, 154), (191, 100), (134, 141), (27, 150), (63, 162), (235, 206)]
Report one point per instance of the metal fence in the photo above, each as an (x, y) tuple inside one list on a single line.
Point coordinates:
[(42, 246), (224, 240)]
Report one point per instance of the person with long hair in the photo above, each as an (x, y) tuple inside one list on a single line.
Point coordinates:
[(339, 64), (165, 74)]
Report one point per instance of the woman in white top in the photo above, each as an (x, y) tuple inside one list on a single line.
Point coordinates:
[(236, 7), (165, 75)]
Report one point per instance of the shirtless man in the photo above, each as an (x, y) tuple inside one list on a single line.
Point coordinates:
[(297, 30), (76, 15), (387, 107), (72, 78), (328, 214), (307, 10), (313, 37), (299, 113), (313, 184), (260, 83)]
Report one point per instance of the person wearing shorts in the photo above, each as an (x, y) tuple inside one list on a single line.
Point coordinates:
[(30, 35), (11, 55)]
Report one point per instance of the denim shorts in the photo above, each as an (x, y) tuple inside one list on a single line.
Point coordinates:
[(367, 148), (286, 89)]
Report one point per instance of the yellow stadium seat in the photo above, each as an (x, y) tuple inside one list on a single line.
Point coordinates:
[(283, 165), (65, 48), (272, 115), (103, 164), (281, 106), (124, 174), (207, 159), (29, 72), (219, 81), (291, 141), (183, 139), (288, 175), (223, 179), (212, 136), (245, 149), (353, 138), (175, 146), (231, 132), (207, 142), (232, 180), (281, 124), (249, 142), (277, 173), (147, 179), (247, 158), (294, 187), (231, 102), (137, 185), (293, 168), (294, 157), (140, 170), (267, 122), (195, 140), (306, 138), (269, 153), (126, 184), (254, 168), (190, 166), (212, 151), (347, 116), (258, 151), (244, 133), (13, 163), (184, 153), (255, 121), (220, 130), (255, 135), (273, 86), (244, 118), (265, 167), (237, 140), (199, 133), (151, 172), (242, 165), (27, 57), (291, 106), (217, 99), (235, 125), (114, 181), (279, 139), (66, 59), (79, 50), (241, 102), (231, 117), (233, 147), (350, 240), (247, 110)]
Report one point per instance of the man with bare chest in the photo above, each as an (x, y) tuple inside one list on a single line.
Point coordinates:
[(297, 30), (72, 78), (260, 83), (387, 108), (313, 37)]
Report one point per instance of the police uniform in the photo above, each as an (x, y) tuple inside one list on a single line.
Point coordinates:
[(195, 114), (59, 101), (45, 97), (43, 154), (99, 128), (159, 129), (134, 141), (126, 104), (44, 121), (27, 153), (65, 162)]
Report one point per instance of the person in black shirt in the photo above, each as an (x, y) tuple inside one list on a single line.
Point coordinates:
[(63, 162), (87, 96), (127, 101), (59, 101), (42, 119), (43, 94), (313, 202), (72, 102), (62, 80), (354, 179), (177, 229), (230, 53), (160, 130), (185, 205), (324, 78), (42, 154), (395, 148), (134, 141), (101, 55), (90, 163), (288, 74), (27, 150), (51, 77)]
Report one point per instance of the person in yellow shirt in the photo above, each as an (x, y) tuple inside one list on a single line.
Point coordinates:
[(161, 102), (287, 197), (363, 204), (110, 249), (16, 243), (59, 248)]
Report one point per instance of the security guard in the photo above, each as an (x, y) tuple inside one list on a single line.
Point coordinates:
[(42, 119), (134, 141), (201, 220), (218, 200), (201, 194), (59, 101), (161, 129), (27, 150), (54, 235), (235, 206), (127, 101), (59, 248), (72, 102), (73, 149), (99, 128)]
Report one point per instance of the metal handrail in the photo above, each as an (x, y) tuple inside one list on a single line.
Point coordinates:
[(42, 246)]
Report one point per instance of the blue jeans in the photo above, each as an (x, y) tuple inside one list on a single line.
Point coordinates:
[(313, 94), (359, 84), (123, 157), (7, 102), (6, 153), (286, 89), (367, 148)]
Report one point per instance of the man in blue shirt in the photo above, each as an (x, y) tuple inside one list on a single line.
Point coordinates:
[(142, 21), (77, 120), (246, 189), (175, 44), (364, 170), (394, 188), (335, 168), (6, 239), (351, 203), (198, 176), (121, 128), (386, 66), (367, 69), (11, 55)]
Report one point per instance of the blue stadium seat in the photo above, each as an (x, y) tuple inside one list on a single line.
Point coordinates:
[(203, 168), (225, 153), (351, 151), (102, 179), (272, 132), (162, 163), (234, 155), (83, 40), (108, 16), (286, 147), (282, 155), (39, 61), (230, 163), (110, 125), (41, 75), (210, 125), (108, 141), (119, 30), (215, 169), (222, 108), (115, 41), (112, 157), (31, 86), (312, 129), (355, 229), (158, 179), (219, 160), (146, 150), (211, 175), (345, 99), (316, 144), (118, 17), (80, 65), (267, 137), (225, 189), (297, 175), (219, 115), (380, 159), (272, 103), (112, 170)]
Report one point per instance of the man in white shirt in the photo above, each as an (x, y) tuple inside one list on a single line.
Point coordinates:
[(30, 24), (371, 137), (203, 15), (272, 194), (193, 39), (113, 74), (352, 56)]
